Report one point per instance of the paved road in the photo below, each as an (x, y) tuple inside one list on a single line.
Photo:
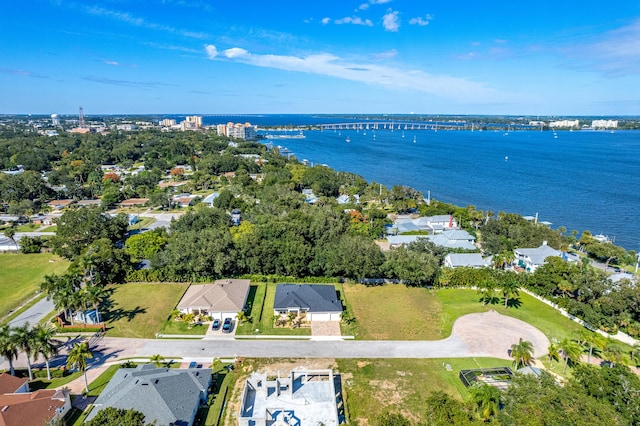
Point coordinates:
[(34, 314)]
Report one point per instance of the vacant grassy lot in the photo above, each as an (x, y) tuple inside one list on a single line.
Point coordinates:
[(405, 313), (22, 274), (394, 312), (458, 302), (373, 386), (140, 310)]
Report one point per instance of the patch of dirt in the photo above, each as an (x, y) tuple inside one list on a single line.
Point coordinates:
[(493, 334), (362, 364), (388, 391)]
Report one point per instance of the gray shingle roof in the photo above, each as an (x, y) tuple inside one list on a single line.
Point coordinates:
[(168, 396), (310, 297)]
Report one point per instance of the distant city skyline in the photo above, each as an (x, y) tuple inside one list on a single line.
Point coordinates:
[(366, 56)]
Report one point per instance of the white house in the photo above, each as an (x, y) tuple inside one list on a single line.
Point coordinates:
[(460, 260), (532, 258)]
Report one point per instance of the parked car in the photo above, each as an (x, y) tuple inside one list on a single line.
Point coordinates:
[(193, 364), (226, 327), (216, 324)]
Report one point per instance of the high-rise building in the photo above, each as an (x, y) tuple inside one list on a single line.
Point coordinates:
[(55, 121)]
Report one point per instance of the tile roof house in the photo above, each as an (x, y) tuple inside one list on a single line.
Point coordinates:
[(222, 299), (460, 260), (38, 408), (168, 396), (133, 202), (532, 258), (316, 301)]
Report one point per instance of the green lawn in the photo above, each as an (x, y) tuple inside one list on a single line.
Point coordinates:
[(141, 310), (458, 302), (22, 274), (181, 327), (407, 313), (375, 385), (394, 312), (52, 228)]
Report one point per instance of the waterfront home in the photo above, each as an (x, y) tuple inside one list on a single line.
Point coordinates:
[(531, 258)]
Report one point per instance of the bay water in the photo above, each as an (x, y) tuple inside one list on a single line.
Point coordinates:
[(582, 180)]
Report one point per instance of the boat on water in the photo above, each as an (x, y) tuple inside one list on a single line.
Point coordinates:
[(414, 139), (403, 133), (348, 139)]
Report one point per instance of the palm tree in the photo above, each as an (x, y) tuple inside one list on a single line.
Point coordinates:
[(95, 295), (522, 353), (554, 352), (487, 291), (24, 338), (10, 233), (592, 340), (571, 351), (8, 347), (612, 353), (635, 354), (486, 398), (510, 288), (44, 344), (78, 357), (157, 359)]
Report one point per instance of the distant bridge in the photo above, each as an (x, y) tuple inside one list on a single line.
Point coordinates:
[(424, 125), (395, 125)]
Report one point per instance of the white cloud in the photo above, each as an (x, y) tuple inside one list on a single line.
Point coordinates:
[(363, 6), (354, 20), (211, 50), (500, 41), (380, 1), (378, 75), (236, 53), (385, 55), (616, 54), (114, 63), (419, 20), (325, 21), (391, 21)]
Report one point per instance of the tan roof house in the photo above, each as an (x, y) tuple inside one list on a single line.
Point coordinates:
[(133, 202), (222, 299)]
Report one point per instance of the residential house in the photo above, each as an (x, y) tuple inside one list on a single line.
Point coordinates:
[(314, 302), (306, 397), (430, 224), (13, 384), (23, 408), (464, 260), (133, 202), (310, 197), (166, 396), (220, 300), (532, 258), (453, 239), (208, 200), (60, 204)]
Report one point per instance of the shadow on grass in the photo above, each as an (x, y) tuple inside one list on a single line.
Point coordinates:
[(114, 315)]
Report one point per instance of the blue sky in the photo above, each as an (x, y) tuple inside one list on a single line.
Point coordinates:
[(331, 56)]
